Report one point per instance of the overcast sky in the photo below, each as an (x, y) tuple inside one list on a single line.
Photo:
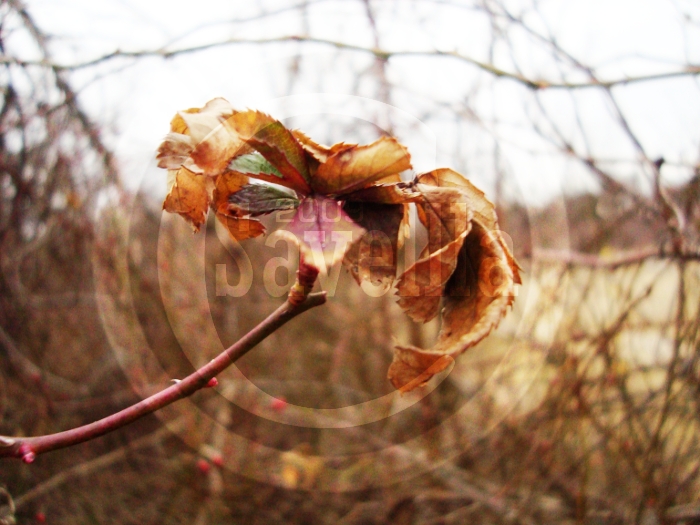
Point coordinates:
[(448, 112)]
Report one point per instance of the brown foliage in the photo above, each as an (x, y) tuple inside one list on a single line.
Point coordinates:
[(466, 261)]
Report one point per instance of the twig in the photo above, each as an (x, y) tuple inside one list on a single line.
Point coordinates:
[(622, 259), (384, 54), (27, 448), (99, 463)]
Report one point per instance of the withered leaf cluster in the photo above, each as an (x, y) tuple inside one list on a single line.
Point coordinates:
[(222, 159)]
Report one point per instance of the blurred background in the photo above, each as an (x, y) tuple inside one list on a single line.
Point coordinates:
[(579, 119)]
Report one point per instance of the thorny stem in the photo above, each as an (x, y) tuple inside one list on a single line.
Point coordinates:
[(28, 448)]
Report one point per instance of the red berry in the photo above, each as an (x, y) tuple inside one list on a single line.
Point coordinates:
[(40, 517), (212, 382), (203, 466), (218, 460), (278, 404)]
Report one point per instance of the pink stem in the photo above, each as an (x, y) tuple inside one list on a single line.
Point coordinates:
[(27, 448)]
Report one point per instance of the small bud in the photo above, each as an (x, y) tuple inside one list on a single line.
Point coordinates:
[(40, 517), (212, 382), (278, 404), (306, 277), (218, 460), (203, 466), (307, 273), (26, 453)]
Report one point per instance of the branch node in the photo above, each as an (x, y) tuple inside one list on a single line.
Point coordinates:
[(306, 278), (26, 453)]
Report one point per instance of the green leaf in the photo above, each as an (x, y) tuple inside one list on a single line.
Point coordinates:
[(257, 199), (276, 143), (253, 164)]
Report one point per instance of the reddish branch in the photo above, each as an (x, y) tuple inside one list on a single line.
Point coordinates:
[(28, 448)]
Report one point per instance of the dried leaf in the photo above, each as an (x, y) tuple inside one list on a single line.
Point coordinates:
[(477, 297), (479, 292), (226, 184), (394, 193), (374, 257), (174, 150), (422, 286), (317, 151), (482, 208), (177, 123), (445, 212), (198, 123), (200, 141), (189, 197), (241, 228), (412, 368), (479, 289), (212, 155), (276, 143), (352, 167), (447, 217)]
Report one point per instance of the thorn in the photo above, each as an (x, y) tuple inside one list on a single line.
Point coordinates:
[(212, 382), (176, 381), (278, 404)]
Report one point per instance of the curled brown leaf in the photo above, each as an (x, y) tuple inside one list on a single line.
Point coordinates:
[(199, 141), (374, 256), (274, 142), (226, 185), (189, 197), (350, 167), (477, 296), (422, 286), (241, 228), (469, 271)]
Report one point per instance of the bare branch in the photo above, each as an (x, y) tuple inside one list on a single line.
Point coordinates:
[(622, 259), (22, 447), (690, 70)]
